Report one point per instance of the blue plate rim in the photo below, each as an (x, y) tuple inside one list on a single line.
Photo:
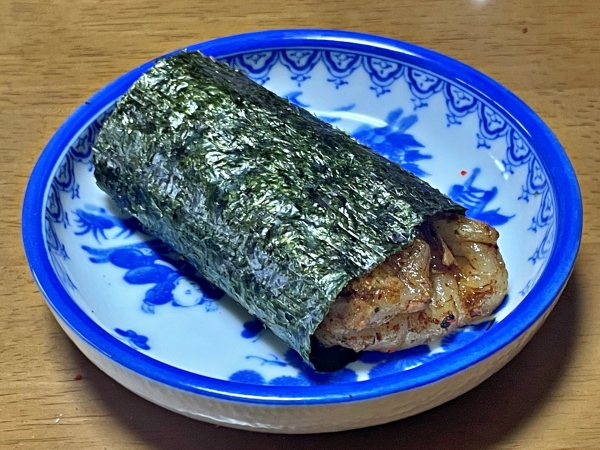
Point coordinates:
[(546, 291)]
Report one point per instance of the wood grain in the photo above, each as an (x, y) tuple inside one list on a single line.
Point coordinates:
[(55, 54)]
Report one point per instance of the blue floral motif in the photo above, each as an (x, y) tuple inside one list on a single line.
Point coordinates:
[(477, 199), (393, 142), (96, 220), (491, 125), (383, 74), (293, 98), (81, 150), (307, 376), (273, 361), (519, 154), (341, 65), (256, 65), (422, 85), (387, 363), (134, 339), (58, 254), (174, 280), (537, 182), (65, 181), (332, 117), (252, 329), (459, 103), (247, 377), (300, 62), (55, 213), (543, 220), (56, 247)]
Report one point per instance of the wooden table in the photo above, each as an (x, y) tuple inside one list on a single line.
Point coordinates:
[(55, 54)]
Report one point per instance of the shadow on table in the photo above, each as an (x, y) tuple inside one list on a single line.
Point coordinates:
[(478, 419)]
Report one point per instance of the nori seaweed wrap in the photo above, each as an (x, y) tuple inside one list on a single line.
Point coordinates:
[(272, 205)]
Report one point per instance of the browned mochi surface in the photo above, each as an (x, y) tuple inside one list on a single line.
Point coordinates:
[(451, 275)]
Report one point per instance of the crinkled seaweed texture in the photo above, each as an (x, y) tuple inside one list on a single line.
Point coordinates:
[(274, 206)]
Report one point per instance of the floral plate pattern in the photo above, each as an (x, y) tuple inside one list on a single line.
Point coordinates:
[(147, 318)]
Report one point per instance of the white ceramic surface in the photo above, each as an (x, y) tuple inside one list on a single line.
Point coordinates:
[(151, 322)]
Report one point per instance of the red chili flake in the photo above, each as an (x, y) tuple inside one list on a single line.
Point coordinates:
[(463, 172), (378, 336), (524, 30), (78, 377), (396, 327)]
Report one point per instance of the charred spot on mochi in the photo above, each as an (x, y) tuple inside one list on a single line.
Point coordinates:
[(447, 321)]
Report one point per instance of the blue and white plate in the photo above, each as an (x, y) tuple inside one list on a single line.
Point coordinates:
[(146, 318)]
